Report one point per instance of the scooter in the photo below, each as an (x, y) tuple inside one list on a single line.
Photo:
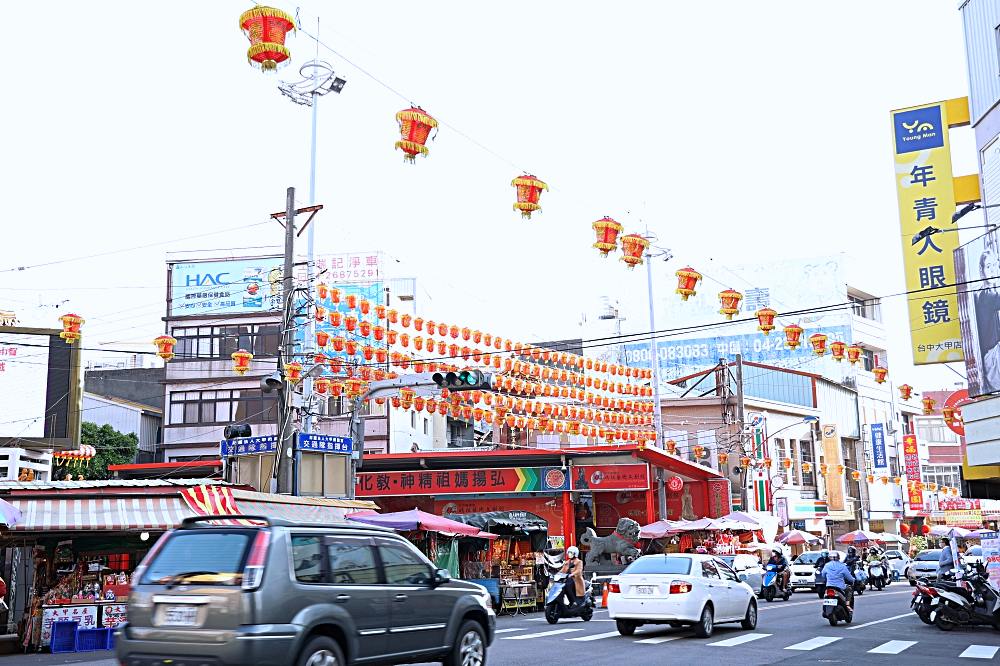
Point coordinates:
[(835, 607), (557, 605), (770, 585), (860, 580), (950, 607), (876, 575)]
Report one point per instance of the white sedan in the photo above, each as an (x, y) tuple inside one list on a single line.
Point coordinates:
[(680, 590)]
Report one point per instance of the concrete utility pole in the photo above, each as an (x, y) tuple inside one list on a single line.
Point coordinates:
[(284, 472), (744, 478)]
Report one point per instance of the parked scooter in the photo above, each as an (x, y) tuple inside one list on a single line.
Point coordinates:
[(975, 602), (877, 575), (835, 607), (557, 605), (770, 587)]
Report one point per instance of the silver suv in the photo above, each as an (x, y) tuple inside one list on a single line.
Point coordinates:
[(253, 590)]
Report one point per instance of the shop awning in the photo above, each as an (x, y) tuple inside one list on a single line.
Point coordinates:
[(503, 521), (108, 514)]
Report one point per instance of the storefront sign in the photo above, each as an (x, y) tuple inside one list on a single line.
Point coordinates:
[(610, 477), (960, 504), (799, 509), (926, 194), (879, 458), (248, 446), (990, 542), (460, 481), (967, 518), (324, 443), (831, 454), (675, 484), (85, 615), (233, 286), (911, 463), (114, 614)]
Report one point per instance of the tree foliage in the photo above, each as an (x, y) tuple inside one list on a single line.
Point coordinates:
[(113, 448)]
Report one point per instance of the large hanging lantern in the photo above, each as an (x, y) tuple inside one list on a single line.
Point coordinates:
[(71, 324), (928, 403), (241, 361), (854, 353), (266, 28), (730, 301), (837, 349), (165, 347), (607, 230), (880, 374), (415, 127), (765, 320), (633, 245), (905, 391), (670, 444), (793, 336), (687, 280), (529, 190), (321, 385), (293, 372), (818, 342)]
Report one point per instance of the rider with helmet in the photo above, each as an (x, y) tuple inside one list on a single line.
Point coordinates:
[(838, 576), (852, 560), (781, 566), (573, 566)]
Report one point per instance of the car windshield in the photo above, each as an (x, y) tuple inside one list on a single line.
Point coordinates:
[(656, 564), (808, 558), (199, 556), (928, 556)]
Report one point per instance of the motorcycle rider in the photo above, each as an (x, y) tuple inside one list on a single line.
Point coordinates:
[(781, 566), (852, 561), (573, 566), (839, 576)]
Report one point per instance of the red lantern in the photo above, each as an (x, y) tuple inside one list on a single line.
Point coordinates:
[(671, 447), (765, 319), (699, 452), (352, 301), (687, 280), (335, 318), (350, 323), (293, 372), (633, 245), (730, 300), (241, 361), (266, 28), (925, 529), (928, 404), (405, 320), (71, 324), (837, 350), (723, 457), (905, 391), (786, 463), (415, 127), (378, 332), (818, 342), (368, 352), (880, 374), (856, 475), (904, 529), (745, 461), (322, 337), (854, 353), (165, 347), (335, 295), (351, 346), (321, 385), (320, 313), (338, 343), (793, 336), (607, 234), (529, 189)]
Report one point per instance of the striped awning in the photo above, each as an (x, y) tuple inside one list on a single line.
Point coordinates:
[(102, 514)]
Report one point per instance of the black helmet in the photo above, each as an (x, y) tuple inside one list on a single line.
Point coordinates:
[(852, 551)]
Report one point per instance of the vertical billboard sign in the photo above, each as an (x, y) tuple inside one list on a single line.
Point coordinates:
[(926, 195), (911, 463), (831, 456), (879, 458), (978, 270)]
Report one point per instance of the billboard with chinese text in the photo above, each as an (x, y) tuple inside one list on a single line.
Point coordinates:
[(911, 464), (926, 197), (977, 266), (462, 481), (230, 286)]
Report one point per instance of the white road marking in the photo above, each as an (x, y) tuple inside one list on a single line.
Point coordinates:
[(596, 637), (892, 647), (507, 631), (885, 619), (739, 640), (980, 651), (554, 632), (778, 605), (813, 643), (656, 640)]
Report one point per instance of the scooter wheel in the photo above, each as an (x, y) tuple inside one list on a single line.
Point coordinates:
[(769, 594), (925, 618), (586, 614), (787, 595), (551, 614), (860, 591), (943, 623), (833, 620)]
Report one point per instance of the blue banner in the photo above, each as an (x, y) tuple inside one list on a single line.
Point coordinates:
[(248, 446), (879, 458), (325, 443)]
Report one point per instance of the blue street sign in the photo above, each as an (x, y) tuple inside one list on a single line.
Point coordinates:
[(243, 446), (325, 443), (879, 458)]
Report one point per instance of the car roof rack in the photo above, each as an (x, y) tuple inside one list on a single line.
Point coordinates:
[(192, 521), (270, 521)]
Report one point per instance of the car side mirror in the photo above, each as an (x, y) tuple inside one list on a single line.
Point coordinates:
[(743, 578), (440, 577)]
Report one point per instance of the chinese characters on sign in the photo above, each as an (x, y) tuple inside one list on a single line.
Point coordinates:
[(879, 458), (324, 443), (86, 616), (610, 477), (350, 267), (225, 287), (926, 196), (458, 481), (911, 463), (248, 446)]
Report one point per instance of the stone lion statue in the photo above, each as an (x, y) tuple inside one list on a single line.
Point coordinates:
[(620, 542)]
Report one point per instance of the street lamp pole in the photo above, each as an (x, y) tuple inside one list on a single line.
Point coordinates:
[(655, 252)]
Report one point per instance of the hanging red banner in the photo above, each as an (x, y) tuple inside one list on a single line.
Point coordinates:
[(911, 462)]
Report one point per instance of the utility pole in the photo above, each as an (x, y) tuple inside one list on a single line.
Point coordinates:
[(654, 252), (739, 428), (286, 433)]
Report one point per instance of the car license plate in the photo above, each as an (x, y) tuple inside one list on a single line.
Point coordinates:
[(829, 602), (180, 616), (644, 589)]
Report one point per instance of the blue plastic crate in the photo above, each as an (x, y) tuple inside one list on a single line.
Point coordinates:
[(111, 638), (88, 640), (64, 636)]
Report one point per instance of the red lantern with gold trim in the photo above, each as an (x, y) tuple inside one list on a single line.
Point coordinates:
[(856, 475), (837, 349), (723, 457), (266, 28), (793, 336), (321, 385), (529, 191), (633, 245), (165, 347), (818, 343), (730, 301), (854, 353), (415, 127), (241, 361), (699, 452), (71, 324), (671, 447), (293, 372), (607, 230), (807, 467), (335, 318), (928, 404), (765, 320), (905, 391), (880, 374), (687, 280)]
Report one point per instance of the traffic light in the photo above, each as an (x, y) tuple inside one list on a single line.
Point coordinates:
[(464, 380), (237, 430)]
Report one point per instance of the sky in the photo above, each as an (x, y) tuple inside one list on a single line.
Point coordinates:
[(737, 132)]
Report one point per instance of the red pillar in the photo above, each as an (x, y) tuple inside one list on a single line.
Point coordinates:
[(569, 520), (651, 505)]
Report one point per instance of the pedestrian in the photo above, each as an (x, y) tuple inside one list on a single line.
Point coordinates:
[(946, 561)]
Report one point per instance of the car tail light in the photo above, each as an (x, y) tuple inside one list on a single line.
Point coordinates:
[(679, 587), (614, 588), (253, 572), (831, 593)]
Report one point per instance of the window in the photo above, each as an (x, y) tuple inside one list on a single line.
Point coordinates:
[(867, 307), (307, 559), (943, 475), (660, 564), (708, 570), (427, 426), (934, 430), (868, 359), (806, 454), (413, 419), (218, 342), (403, 566), (351, 562), (217, 557), (208, 407), (727, 573)]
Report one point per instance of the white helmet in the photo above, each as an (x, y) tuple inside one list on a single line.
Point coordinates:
[(834, 555), (573, 551)]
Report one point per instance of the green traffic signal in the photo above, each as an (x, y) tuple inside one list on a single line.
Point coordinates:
[(465, 380)]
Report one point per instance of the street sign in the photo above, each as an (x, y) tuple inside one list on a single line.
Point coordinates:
[(325, 443), (243, 446)]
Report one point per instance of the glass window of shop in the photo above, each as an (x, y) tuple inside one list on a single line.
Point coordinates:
[(215, 342), (210, 407)]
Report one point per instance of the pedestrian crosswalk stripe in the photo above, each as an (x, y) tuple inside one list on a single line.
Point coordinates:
[(739, 640), (813, 643), (656, 640), (507, 631), (892, 647), (980, 651), (595, 637), (554, 632)]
